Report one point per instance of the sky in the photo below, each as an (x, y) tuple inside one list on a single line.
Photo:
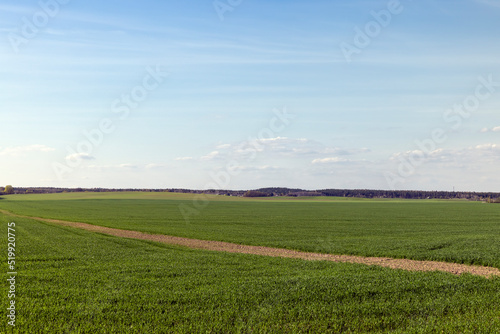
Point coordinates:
[(244, 94)]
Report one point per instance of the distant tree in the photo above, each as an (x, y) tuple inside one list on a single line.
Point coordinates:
[(254, 193), (9, 190)]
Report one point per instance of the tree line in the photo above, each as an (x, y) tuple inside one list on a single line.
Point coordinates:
[(492, 197)]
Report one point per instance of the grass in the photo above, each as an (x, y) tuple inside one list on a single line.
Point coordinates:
[(74, 281), (453, 231)]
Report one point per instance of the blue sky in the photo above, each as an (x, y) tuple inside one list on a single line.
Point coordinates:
[(251, 94)]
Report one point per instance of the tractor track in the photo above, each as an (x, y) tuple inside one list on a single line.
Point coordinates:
[(221, 246)]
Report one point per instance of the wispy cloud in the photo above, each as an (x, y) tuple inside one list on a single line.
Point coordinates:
[(494, 129), (473, 155), (79, 156), (283, 147), (18, 150), (124, 166), (276, 150), (211, 156), (256, 168), (330, 160), (487, 147)]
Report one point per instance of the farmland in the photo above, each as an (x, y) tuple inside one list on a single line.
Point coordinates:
[(72, 280), (453, 231)]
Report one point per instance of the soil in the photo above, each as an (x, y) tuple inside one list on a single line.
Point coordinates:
[(220, 246)]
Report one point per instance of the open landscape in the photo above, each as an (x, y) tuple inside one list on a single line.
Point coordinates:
[(75, 280), (259, 166)]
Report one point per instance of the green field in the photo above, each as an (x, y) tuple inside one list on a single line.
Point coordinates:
[(453, 231), (74, 281)]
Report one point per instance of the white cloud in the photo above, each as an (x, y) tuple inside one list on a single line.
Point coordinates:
[(256, 168), (294, 147), (211, 156), (24, 149), (183, 158), (279, 148), (487, 147), (495, 129), (80, 156), (124, 166), (247, 149), (483, 153), (278, 139), (330, 160)]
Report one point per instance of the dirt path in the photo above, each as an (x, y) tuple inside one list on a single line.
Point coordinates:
[(220, 246)]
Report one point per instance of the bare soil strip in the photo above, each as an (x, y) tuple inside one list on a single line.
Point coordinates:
[(221, 246)]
